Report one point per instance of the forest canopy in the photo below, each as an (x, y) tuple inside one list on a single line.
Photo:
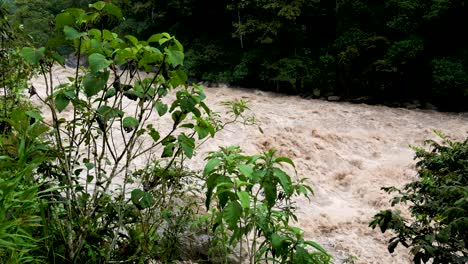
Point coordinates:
[(387, 50)]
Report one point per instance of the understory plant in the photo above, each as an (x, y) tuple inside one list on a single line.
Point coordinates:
[(22, 197), (437, 231), (250, 205)]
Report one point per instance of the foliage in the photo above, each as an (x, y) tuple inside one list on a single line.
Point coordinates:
[(22, 199), (438, 205), (96, 218), (383, 49), (81, 196), (249, 199)]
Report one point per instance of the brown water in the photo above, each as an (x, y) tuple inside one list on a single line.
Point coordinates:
[(347, 152)]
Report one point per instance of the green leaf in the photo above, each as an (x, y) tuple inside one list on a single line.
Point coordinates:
[(244, 198), (89, 165), (168, 150), (98, 62), (316, 246), (284, 180), (123, 55), (277, 241), (154, 134), (159, 37), (211, 183), (187, 144), (211, 166), (98, 5), (34, 114), (161, 108), (232, 214), (270, 193), (110, 93), (72, 34), (130, 122), (112, 9), (64, 19), (93, 83), (61, 101), (284, 159), (302, 256), (178, 117), (175, 57), (177, 78), (132, 39), (141, 199), (32, 55), (245, 169), (107, 112)]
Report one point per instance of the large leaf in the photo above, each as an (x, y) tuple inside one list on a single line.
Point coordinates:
[(187, 144), (211, 166), (93, 83), (284, 180), (244, 198), (107, 112), (176, 57), (270, 193), (177, 78), (161, 108), (129, 123), (141, 199), (302, 256), (211, 183), (168, 150), (32, 55), (232, 214), (112, 9), (61, 101), (98, 5), (98, 62), (72, 34), (64, 19)]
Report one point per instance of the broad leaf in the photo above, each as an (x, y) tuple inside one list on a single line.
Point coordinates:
[(284, 180), (175, 57), (232, 214), (161, 108), (93, 83), (211, 166), (168, 150), (141, 199), (98, 62), (32, 55), (244, 198), (187, 144), (72, 34), (129, 123), (64, 19), (107, 112), (61, 101)]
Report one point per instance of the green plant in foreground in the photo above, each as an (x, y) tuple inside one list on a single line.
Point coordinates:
[(438, 203), (250, 202), (22, 150)]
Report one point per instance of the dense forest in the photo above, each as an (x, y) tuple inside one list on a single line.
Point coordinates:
[(372, 51)]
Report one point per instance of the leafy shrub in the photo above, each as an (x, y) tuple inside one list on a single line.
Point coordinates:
[(438, 203), (249, 199)]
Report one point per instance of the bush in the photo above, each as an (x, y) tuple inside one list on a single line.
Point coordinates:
[(438, 203)]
